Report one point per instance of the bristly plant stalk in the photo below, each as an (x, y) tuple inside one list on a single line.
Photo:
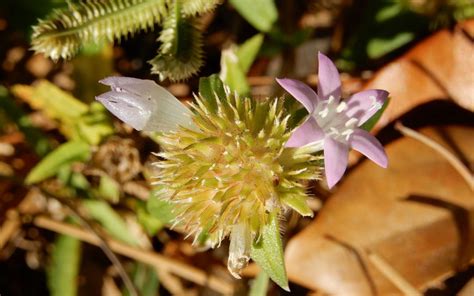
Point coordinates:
[(64, 31), (180, 53)]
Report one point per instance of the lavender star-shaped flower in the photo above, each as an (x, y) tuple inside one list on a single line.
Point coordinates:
[(335, 123)]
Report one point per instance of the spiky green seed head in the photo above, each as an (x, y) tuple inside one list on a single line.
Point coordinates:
[(225, 179)]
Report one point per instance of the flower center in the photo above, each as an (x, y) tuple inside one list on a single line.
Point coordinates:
[(332, 118)]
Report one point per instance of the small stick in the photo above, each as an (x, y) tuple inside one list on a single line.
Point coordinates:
[(181, 269), (9, 228), (448, 155), (170, 282), (392, 275)]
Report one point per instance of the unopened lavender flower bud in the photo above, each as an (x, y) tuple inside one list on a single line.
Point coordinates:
[(145, 105)]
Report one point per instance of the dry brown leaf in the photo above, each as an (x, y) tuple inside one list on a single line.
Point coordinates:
[(417, 215), (468, 289), (439, 67)]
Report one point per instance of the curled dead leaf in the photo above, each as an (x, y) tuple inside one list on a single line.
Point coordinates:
[(418, 215)]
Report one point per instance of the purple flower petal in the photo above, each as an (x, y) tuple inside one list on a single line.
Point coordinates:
[(301, 92), (335, 160), (307, 133), (365, 104), (329, 82), (368, 145)]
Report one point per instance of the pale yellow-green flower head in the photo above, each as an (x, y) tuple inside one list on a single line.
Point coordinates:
[(225, 177)]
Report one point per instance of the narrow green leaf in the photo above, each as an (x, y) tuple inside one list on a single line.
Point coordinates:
[(370, 123), (297, 203), (50, 99), (78, 121), (150, 223), (109, 189), (259, 13), (209, 87), (231, 72), (247, 52), (268, 253), (64, 268), (110, 220), (259, 285), (79, 181), (160, 209), (145, 279), (378, 47), (65, 154)]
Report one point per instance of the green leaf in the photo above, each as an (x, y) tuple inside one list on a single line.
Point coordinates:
[(110, 220), (384, 27), (52, 100), (236, 61), (145, 279), (160, 209), (370, 123), (259, 285), (297, 203), (109, 189), (259, 13), (78, 121), (378, 47), (247, 51), (34, 136), (79, 181), (231, 72), (94, 125), (268, 252), (64, 268), (65, 154), (209, 87), (150, 223)]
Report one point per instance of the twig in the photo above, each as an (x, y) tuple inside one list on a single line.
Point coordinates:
[(448, 155), (392, 275), (12, 224), (102, 243), (170, 282), (180, 269), (9, 228)]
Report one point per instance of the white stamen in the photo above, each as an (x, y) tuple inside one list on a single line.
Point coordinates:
[(351, 122), (334, 131), (342, 107), (324, 112), (347, 133)]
